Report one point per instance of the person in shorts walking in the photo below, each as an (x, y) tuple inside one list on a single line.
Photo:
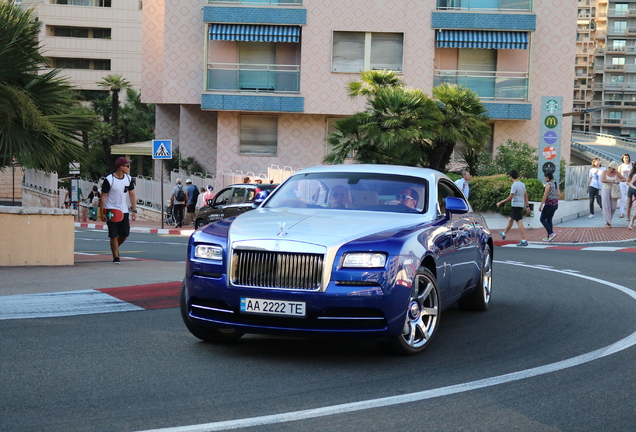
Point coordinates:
[(117, 188), (518, 198)]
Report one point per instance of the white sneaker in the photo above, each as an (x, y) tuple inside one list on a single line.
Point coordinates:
[(591, 216)]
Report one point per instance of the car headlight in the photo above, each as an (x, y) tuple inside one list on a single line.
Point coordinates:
[(364, 260), (208, 252)]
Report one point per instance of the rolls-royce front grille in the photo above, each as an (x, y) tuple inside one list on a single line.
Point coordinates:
[(282, 270)]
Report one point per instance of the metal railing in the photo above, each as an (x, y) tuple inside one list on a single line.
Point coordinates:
[(490, 85), (494, 5), (257, 78), (148, 190), (259, 2)]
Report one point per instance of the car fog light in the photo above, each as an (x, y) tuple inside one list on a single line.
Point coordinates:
[(208, 252), (364, 260)]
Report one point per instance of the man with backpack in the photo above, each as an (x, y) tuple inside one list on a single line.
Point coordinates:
[(178, 201), (193, 194)]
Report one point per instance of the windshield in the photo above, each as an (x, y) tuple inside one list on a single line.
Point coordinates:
[(354, 191)]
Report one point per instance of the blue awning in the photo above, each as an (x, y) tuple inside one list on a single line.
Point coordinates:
[(482, 39), (254, 33)]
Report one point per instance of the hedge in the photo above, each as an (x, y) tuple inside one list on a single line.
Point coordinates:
[(486, 192)]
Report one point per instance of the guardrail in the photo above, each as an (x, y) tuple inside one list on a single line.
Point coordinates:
[(148, 190)]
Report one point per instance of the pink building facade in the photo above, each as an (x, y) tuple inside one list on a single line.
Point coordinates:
[(243, 85)]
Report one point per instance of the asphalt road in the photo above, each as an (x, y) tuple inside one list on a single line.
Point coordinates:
[(138, 245), (554, 353)]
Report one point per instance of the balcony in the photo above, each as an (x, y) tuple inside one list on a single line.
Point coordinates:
[(493, 86), (486, 5), (253, 78), (615, 68)]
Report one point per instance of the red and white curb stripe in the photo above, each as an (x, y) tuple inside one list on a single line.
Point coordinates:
[(87, 302), (183, 232), (581, 248)]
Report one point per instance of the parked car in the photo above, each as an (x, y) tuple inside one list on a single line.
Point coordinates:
[(347, 250), (232, 201)]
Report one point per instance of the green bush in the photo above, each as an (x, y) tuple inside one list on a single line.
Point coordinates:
[(486, 192)]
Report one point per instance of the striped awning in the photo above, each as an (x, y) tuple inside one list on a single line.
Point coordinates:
[(254, 33), (482, 39)]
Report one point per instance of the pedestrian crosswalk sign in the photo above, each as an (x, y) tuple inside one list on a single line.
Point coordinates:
[(162, 149)]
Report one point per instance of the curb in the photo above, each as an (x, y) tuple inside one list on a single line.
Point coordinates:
[(175, 231)]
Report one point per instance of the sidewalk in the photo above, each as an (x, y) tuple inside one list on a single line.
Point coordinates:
[(581, 230)]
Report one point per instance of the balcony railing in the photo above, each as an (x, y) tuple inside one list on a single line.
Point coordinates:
[(255, 78), (488, 85), (259, 2), (491, 5)]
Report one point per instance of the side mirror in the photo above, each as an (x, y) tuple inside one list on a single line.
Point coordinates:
[(456, 205)]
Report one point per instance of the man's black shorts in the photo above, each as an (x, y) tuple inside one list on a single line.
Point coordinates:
[(119, 229), (191, 208), (517, 214)]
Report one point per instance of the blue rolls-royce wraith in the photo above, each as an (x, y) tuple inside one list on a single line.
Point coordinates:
[(351, 250)]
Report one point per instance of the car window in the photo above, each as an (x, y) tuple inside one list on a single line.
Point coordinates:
[(223, 197), (354, 191), (238, 195), (446, 189)]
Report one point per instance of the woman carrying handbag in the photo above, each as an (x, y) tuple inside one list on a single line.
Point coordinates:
[(611, 192)]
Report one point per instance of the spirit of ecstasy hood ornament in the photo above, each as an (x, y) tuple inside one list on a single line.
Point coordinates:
[(282, 232)]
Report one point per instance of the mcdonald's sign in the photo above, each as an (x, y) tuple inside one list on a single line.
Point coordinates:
[(551, 121)]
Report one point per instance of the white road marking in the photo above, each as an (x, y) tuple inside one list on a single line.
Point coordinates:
[(49, 305), (621, 345)]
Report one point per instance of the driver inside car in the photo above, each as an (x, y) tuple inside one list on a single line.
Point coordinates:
[(339, 198)]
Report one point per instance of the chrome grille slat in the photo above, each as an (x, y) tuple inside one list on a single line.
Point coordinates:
[(279, 270)]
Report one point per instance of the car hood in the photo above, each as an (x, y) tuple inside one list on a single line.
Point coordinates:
[(328, 228)]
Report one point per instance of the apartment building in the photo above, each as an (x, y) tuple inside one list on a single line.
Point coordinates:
[(584, 65), (615, 69), (245, 84), (90, 39)]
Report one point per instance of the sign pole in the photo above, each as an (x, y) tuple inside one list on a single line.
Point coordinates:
[(163, 218), (162, 149), (550, 137)]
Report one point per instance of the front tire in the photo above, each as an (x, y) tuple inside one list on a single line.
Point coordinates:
[(205, 333), (421, 319), (199, 224)]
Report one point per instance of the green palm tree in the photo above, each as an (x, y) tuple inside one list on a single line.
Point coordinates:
[(395, 128), (115, 83), (39, 120), (463, 119), (371, 80)]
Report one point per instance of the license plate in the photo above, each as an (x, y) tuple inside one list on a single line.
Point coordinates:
[(272, 307)]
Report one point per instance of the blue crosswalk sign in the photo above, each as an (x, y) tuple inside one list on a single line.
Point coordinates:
[(162, 149)]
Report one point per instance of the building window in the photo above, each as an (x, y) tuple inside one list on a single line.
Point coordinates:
[(358, 51), (620, 27), (619, 43), (80, 63), (615, 115), (81, 32), (618, 60), (617, 79), (620, 9), (258, 135)]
